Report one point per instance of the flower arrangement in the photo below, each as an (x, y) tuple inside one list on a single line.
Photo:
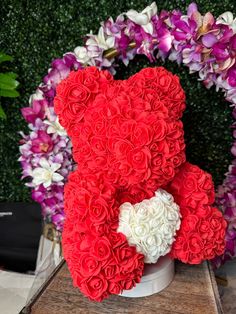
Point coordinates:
[(205, 44), (128, 142)]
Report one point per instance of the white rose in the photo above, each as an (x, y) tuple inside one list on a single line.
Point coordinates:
[(140, 230), (164, 196)]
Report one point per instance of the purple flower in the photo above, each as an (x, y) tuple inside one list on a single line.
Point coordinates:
[(231, 74), (42, 143), (36, 111)]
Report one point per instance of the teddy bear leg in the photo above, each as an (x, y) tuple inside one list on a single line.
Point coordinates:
[(99, 258)]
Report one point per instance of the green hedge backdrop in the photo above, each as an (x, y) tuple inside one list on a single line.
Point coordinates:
[(36, 32)]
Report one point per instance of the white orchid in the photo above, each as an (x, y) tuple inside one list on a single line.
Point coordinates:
[(55, 127), (38, 95), (227, 18), (144, 18), (101, 40), (46, 174), (81, 54)]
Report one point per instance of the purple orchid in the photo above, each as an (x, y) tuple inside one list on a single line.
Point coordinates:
[(42, 143), (37, 110)]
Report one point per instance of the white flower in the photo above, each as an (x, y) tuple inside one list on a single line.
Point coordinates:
[(144, 18), (227, 18), (46, 174), (55, 127), (101, 40), (38, 95), (151, 225), (81, 54)]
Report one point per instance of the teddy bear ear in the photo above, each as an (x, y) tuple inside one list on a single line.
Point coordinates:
[(75, 93), (162, 88)]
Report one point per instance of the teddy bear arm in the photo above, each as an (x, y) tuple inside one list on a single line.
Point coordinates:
[(202, 231)]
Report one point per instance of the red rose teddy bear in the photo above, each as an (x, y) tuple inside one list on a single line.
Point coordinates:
[(133, 196)]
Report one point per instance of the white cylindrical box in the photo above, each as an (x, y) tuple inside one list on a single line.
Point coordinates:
[(156, 278)]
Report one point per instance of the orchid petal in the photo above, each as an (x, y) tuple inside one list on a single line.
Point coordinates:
[(208, 20), (148, 28), (192, 8), (44, 163), (225, 18), (57, 177), (139, 18), (209, 40)]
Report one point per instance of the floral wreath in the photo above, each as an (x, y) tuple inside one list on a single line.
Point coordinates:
[(205, 44)]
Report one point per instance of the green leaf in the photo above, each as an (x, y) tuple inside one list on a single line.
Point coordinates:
[(2, 113), (4, 57), (12, 75), (9, 93), (7, 82)]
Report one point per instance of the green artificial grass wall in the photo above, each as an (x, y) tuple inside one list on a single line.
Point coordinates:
[(36, 32)]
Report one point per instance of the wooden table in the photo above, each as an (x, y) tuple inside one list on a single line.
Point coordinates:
[(193, 291)]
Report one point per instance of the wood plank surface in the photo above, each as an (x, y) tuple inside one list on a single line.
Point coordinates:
[(193, 291)]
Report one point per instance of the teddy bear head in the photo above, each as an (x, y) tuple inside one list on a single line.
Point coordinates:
[(130, 130)]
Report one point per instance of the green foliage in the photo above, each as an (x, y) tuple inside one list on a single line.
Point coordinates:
[(8, 83), (36, 32)]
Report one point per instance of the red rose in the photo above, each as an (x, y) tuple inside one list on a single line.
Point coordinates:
[(139, 159), (160, 130), (159, 106), (91, 84), (190, 184), (139, 193), (175, 91), (195, 243), (148, 74), (81, 152), (177, 160), (158, 161), (105, 77), (126, 257), (116, 239), (74, 111), (180, 249), (189, 223), (94, 287), (114, 288), (168, 171), (98, 210), (216, 220), (164, 81), (119, 147), (89, 265), (111, 270), (141, 135), (99, 145), (78, 94), (203, 211), (101, 248), (195, 258), (127, 127)]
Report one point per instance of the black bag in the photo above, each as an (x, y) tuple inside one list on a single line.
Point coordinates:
[(20, 230)]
